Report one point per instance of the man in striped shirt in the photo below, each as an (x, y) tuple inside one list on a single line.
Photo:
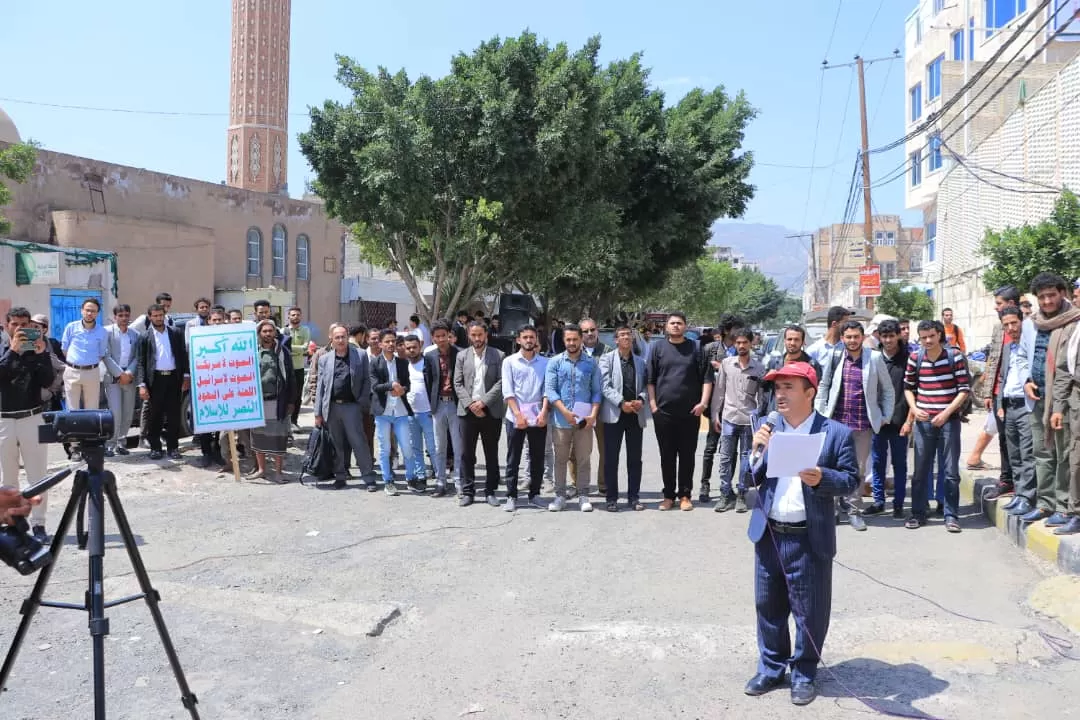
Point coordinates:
[(936, 385)]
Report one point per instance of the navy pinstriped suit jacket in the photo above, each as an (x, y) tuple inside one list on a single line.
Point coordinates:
[(839, 477)]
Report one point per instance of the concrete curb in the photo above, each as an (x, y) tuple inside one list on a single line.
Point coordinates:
[(1036, 538)]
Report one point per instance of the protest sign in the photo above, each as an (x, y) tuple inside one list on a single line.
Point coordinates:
[(226, 390)]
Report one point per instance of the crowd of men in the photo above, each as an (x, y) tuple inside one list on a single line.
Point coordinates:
[(431, 396)]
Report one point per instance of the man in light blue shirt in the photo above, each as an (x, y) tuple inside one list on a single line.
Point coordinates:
[(573, 390), (1013, 409), (523, 378), (86, 344)]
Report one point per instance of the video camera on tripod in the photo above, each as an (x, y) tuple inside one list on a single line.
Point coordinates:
[(18, 548), (88, 430)]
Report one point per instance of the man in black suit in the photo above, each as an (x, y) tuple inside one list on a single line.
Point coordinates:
[(162, 379), (390, 406), (439, 363), (793, 528)]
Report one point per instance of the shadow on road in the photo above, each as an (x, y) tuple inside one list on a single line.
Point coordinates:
[(884, 687)]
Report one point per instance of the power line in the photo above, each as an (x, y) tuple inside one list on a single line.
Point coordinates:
[(873, 20), (975, 78)]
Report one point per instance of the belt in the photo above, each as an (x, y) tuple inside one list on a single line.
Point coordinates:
[(785, 528), (447, 398), (1013, 402), (81, 367), (343, 402), (20, 414), (164, 372)]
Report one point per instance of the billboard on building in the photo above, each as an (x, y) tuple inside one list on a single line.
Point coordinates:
[(870, 281)]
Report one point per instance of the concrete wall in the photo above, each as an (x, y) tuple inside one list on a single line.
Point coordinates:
[(35, 298), (177, 234)]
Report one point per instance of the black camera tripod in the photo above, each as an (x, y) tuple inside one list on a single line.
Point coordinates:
[(94, 485)]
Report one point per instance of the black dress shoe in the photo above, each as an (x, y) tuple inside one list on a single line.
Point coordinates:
[(1070, 528), (875, 509), (761, 684), (120, 450), (175, 455), (803, 693), (339, 483), (1012, 503), (1020, 507), (156, 455)]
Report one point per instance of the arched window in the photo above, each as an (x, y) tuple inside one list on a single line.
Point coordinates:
[(302, 245), (254, 252), (277, 252)]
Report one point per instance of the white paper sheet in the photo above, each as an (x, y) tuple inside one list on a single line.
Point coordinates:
[(581, 410), (531, 411), (790, 453)]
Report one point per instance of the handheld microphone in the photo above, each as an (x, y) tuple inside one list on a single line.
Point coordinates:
[(759, 450)]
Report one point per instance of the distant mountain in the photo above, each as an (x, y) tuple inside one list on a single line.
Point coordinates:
[(782, 259)]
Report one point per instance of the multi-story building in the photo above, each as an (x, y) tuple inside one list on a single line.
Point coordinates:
[(946, 42), (731, 256), (838, 252)]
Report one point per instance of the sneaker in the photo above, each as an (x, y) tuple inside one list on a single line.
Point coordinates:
[(416, 487), (372, 486), (725, 503), (586, 506), (703, 496), (740, 503), (536, 502), (686, 504), (492, 500), (39, 533), (440, 489), (571, 492), (557, 504), (389, 489), (898, 513), (465, 501), (510, 505), (613, 507), (875, 509), (856, 522)]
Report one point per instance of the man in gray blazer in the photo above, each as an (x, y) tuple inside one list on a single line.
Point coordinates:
[(121, 364), (623, 413), (481, 407), (342, 396), (847, 374)]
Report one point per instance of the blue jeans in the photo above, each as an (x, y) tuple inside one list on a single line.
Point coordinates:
[(886, 441), (734, 439), (422, 432), (930, 440), (384, 425)]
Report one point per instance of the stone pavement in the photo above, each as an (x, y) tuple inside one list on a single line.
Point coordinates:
[(301, 602)]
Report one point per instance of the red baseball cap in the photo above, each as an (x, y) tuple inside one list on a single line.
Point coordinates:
[(795, 369)]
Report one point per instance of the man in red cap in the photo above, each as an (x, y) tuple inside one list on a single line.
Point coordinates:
[(793, 528)]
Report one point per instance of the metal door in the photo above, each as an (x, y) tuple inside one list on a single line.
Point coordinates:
[(65, 306)]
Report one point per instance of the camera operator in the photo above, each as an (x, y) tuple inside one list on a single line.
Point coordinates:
[(25, 370), (14, 505)]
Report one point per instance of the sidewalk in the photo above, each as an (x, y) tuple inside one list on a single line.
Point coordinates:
[(1062, 551)]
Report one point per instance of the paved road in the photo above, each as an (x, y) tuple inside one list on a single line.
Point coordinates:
[(294, 602)]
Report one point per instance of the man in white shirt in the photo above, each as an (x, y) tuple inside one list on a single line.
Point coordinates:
[(793, 529), (420, 330), (823, 346), (421, 424)]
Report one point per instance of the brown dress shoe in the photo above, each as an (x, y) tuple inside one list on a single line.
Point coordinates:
[(686, 504), (667, 504)]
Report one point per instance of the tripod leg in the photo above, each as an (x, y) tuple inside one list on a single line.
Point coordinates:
[(95, 596), (187, 698), (80, 524), (31, 604)]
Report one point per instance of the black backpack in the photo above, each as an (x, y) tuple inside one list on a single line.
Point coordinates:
[(321, 456)]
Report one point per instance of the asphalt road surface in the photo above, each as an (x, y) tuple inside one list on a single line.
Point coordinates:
[(300, 602)]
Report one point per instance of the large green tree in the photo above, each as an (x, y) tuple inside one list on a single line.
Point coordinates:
[(530, 166), (904, 302), (16, 165), (1017, 255), (705, 289)]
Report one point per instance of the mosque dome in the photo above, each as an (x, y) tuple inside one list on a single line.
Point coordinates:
[(8, 132)]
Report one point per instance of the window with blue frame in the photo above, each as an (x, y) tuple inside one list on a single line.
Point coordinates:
[(933, 160), (915, 96), (933, 78), (971, 39), (957, 39), (916, 168), (931, 240), (939, 5), (1000, 13)]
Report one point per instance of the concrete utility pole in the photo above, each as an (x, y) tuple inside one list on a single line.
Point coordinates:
[(812, 250), (868, 207)]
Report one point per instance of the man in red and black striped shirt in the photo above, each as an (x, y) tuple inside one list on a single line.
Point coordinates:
[(936, 385)]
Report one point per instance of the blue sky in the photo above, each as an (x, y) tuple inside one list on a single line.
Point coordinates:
[(159, 57)]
